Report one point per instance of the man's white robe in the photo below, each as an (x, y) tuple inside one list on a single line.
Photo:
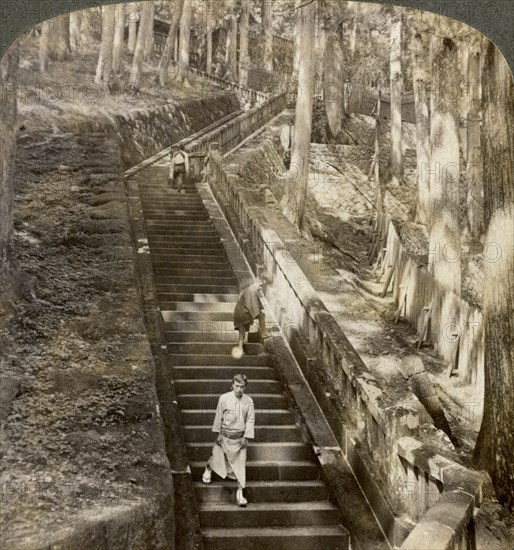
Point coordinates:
[(233, 416)]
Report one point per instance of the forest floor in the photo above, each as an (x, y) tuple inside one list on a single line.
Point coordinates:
[(68, 90), (335, 265), (76, 373)]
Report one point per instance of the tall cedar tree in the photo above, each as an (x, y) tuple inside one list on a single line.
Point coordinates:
[(119, 30), (495, 445), (169, 47), (137, 61), (444, 239), (184, 42), (295, 196), (268, 35), (421, 103), (104, 65), (8, 111), (244, 60), (333, 88), (396, 101)]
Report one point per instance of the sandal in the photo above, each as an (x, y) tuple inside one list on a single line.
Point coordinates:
[(206, 477), (240, 499)]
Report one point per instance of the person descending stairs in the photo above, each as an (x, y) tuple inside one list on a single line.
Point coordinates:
[(289, 505)]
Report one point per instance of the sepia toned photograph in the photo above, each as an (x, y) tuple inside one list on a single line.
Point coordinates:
[(256, 279)]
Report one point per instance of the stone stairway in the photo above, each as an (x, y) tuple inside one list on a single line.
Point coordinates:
[(289, 506)]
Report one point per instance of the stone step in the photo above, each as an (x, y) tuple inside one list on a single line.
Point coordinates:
[(201, 306), (176, 245), (217, 348), (183, 238), (180, 225), (193, 298), (195, 373), (262, 470), (270, 514), (196, 289), (210, 400), (196, 315), (210, 385), (176, 217), (203, 336), (162, 282), (218, 327), (219, 360), (276, 538), (174, 208), (263, 417), (169, 233), (262, 433), (262, 491), (179, 260), (256, 451)]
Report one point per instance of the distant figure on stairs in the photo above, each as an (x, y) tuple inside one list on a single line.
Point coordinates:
[(234, 423), (248, 308), (178, 169)]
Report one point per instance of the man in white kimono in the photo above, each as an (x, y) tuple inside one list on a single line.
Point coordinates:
[(234, 423)]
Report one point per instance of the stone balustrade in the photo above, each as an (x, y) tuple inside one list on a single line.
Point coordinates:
[(409, 487)]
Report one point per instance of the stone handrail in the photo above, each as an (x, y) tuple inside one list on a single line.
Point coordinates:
[(419, 485), (236, 130)]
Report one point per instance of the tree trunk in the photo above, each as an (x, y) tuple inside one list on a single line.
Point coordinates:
[(119, 31), (88, 37), (396, 101), (333, 82), (170, 40), (132, 31), (268, 36), (137, 61), (231, 67), (244, 60), (421, 102), (295, 196), (185, 32), (44, 47), (61, 40), (104, 66), (474, 199), (494, 449), (444, 239), (149, 42), (210, 22), (75, 24), (8, 111)]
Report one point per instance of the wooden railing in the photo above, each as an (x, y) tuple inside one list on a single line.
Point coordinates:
[(419, 484)]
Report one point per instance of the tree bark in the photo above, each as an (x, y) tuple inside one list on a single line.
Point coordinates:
[(268, 36), (210, 22), (295, 196), (8, 113), (474, 199), (75, 24), (132, 31), (333, 81), (169, 47), (149, 42), (137, 61), (60, 43), (119, 31), (44, 47), (444, 171), (244, 60), (231, 67), (495, 444), (184, 43), (396, 101), (421, 102), (104, 66)]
